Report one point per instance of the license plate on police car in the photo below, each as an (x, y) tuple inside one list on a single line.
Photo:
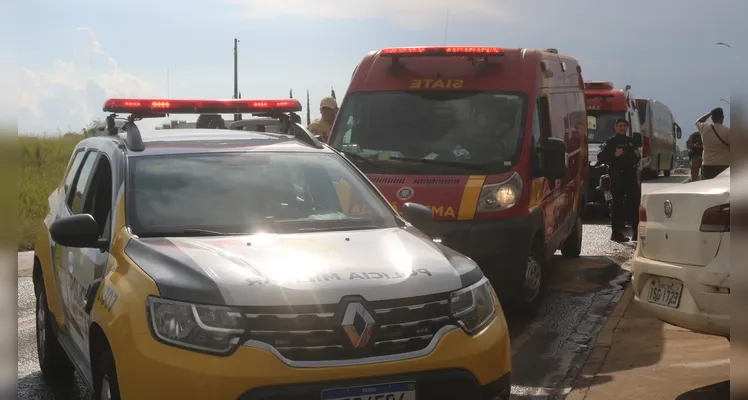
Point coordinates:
[(389, 391), (608, 196), (665, 291)]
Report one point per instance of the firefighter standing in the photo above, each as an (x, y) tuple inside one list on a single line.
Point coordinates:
[(621, 154), (328, 108)]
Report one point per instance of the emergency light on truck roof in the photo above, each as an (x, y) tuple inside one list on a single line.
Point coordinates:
[(599, 85), (149, 107), (442, 51)]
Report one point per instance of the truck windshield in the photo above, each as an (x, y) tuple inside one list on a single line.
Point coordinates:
[(431, 132), (601, 125), (243, 193)]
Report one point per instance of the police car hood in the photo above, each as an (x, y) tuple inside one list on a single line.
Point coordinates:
[(302, 269)]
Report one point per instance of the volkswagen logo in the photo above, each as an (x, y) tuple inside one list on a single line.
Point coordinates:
[(668, 208), (358, 324), (405, 193)]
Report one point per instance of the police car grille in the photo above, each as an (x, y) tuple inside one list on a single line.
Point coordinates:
[(318, 336)]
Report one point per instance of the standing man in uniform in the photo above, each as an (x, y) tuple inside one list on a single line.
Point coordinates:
[(328, 109), (695, 151), (621, 154), (716, 139)]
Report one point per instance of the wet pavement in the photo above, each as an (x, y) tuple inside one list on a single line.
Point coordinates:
[(548, 349)]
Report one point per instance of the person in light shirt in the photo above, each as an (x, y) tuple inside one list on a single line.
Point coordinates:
[(716, 141)]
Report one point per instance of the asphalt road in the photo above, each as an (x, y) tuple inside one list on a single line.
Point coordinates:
[(548, 349)]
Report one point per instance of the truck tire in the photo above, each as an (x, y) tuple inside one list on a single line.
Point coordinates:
[(528, 289), (667, 172), (573, 244)]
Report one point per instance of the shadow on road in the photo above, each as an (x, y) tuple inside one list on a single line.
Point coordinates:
[(32, 386), (717, 391)]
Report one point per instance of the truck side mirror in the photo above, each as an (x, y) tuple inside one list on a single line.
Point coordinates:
[(678, 131), (554, 159), (638, 142)]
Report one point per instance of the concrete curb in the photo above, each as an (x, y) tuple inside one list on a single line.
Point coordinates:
[(604, 342)]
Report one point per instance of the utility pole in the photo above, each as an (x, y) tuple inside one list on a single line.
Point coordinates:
[(237, 117), (308, 110)]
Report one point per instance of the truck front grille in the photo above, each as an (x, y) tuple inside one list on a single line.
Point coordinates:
[(401, 327)]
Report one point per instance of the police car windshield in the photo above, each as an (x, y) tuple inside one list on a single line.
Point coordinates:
[(236, 193), (601, 125), (457, 127)]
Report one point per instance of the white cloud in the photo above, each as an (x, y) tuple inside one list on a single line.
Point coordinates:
[(70, 94), (414, 14)]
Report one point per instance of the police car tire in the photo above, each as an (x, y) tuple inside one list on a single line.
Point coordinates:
[(106, 371), (53, 361)]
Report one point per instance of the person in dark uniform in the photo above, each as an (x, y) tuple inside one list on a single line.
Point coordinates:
[(620, 152)]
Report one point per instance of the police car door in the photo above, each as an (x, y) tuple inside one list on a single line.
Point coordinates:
[(92, 195)]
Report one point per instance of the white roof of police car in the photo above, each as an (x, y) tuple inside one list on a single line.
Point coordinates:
[(172, 141)]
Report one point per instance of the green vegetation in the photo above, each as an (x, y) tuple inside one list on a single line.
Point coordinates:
[(42, 163)]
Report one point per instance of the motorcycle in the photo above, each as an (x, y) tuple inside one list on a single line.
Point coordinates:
[(604, 186)]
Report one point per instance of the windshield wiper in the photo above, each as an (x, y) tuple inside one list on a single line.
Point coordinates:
[(339, 228), (459, 164), (207, 232), (358, 157)]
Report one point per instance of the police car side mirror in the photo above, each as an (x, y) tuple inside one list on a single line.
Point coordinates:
[(419, 215), (79, 231), (554, 159)]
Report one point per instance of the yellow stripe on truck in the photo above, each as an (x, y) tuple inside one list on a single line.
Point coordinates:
[(470, 196)]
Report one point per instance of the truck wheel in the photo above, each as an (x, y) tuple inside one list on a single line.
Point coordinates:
[(106, 385), (53, 361), (530, 284), (573, 243), (668, 171)]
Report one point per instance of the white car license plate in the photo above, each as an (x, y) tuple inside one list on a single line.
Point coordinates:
[(389, 391), (608, 196), (665, 291)]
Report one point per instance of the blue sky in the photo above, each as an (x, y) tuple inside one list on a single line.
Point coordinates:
[(79, 52)]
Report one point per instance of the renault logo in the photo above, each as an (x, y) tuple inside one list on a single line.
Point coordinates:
[(358, 324)]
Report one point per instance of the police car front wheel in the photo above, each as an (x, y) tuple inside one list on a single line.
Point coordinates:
[(107, 385), (53, 361)]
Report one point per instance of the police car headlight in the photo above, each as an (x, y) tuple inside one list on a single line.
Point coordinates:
[(474, 307), (499, 196), (204, 328)]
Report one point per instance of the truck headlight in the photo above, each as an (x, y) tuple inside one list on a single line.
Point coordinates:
[(204, 328), (502, 195), (473, 307)]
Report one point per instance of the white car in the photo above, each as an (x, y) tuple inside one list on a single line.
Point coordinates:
[(681, 268)]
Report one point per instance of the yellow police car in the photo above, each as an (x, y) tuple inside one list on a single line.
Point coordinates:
[(221, 264)]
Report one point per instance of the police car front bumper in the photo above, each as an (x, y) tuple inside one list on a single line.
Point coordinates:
[(452, 384)]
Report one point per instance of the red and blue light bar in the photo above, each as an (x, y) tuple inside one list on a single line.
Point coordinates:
[(463, 51), (171, 106)]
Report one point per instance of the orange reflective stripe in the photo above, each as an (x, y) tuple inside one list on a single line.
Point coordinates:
[(470, 197)]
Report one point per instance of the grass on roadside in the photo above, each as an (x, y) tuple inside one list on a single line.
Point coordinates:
[(42, 162)]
